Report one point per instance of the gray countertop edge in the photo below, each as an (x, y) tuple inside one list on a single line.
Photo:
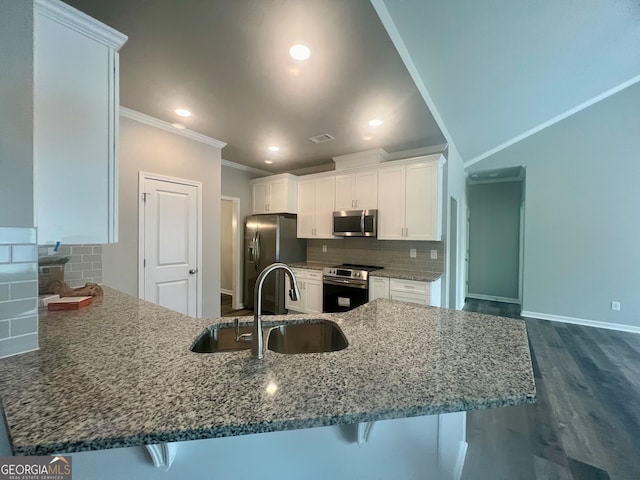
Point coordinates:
[(406, 275), (266, 427)]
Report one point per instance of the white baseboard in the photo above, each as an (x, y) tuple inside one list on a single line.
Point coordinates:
[(226, 292), (479, 296), (582, 321)]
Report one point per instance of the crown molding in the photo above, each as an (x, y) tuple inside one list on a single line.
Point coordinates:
[(80, 22), (245, 168), (161, 124)]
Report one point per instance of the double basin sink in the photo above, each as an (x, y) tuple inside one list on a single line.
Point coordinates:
[(314, 336)]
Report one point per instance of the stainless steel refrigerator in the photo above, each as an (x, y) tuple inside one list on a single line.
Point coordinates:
[(269, 239)]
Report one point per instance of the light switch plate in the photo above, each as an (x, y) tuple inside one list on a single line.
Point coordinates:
[(434, 254), (412, 252)]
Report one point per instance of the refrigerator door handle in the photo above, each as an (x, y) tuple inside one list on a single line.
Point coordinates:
[(256, 250)]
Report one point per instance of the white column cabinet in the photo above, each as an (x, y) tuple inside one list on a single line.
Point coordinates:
[(310, 286), (275, 194), (315, 207), (357, 190), (408, 200), (75, 120)]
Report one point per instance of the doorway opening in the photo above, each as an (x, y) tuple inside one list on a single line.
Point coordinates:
[(495, 235), (230, 249)]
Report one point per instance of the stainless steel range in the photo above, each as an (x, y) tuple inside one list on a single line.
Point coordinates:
[(345, 287)]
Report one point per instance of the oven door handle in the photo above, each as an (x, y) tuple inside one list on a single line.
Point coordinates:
[(344, 283)]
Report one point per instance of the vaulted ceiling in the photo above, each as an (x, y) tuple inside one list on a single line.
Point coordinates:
[(500, 70), (495, 71)]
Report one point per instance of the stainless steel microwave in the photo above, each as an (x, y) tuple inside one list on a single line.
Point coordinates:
[(355, 223)]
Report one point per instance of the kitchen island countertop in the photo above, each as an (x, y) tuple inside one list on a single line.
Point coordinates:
[(120, 373)]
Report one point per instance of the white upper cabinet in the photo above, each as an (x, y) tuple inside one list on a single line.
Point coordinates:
[(315, 207), (75, 126), (409, 199), (357, 190), (275, 194)]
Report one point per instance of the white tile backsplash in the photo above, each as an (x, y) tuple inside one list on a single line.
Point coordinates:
[(18, 290)]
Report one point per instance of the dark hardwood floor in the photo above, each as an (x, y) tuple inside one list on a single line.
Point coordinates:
[(586, 422), (226, 309)]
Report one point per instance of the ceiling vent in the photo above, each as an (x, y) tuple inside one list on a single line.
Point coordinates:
[(325, 137)]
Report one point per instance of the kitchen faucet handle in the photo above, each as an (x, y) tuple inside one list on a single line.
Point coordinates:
[(245, 337)]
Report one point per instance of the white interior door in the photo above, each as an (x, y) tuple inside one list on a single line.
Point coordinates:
[(170, 256)]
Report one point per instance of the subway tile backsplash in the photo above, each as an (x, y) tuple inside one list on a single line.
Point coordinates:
[(393, 254), (18, 290), (84, 265)]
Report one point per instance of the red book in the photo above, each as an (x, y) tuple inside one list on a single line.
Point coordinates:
[(69, 303)]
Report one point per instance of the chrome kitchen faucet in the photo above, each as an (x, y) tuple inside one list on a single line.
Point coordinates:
[(256, 337)]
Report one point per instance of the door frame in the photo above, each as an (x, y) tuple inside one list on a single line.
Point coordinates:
[(142, 177), (236, 253)]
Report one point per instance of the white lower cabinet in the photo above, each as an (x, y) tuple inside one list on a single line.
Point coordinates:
[(310, 286), (410, 291)]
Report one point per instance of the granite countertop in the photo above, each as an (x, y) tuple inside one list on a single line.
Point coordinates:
[(406, 275), (310, 265), (120, 373)]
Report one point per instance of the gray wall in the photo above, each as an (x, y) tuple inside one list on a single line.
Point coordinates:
[(149, 149), (494, 239), (16, 113), (582, 227), (235, 183)]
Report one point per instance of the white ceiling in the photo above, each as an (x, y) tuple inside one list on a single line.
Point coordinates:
[(227, 61), (498, 70)]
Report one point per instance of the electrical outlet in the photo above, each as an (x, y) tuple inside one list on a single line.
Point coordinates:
[(434, 254), (324, 249), (412, 252), (615, 306)]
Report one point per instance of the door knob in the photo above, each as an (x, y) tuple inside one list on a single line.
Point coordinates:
[(193, 271)]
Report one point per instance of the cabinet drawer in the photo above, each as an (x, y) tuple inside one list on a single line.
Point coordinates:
[(418, 298), (313, 275), (409, 286)]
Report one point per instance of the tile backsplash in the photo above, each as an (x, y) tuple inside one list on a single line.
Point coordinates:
[(84, 265), (18, 290), (385, 253)]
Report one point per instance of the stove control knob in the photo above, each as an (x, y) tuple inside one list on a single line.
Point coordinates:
[(358, 274)]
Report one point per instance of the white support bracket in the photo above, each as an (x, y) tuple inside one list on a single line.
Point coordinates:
[(364, 432), (162, 454)]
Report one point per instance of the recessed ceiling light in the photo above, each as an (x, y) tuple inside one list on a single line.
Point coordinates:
[(300, 52), (183, 112), (367, 137), (376, 122), (179, 126), (268, 162), (273, 148)]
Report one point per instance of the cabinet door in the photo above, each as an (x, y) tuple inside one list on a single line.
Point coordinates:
[(345, 199), (74, 142), (422, 199), (366, 190), (298, 305), (260, 197), (324, 196), (391, 203), (306, 208), (313, 296), (378, 288), (278, 196)]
